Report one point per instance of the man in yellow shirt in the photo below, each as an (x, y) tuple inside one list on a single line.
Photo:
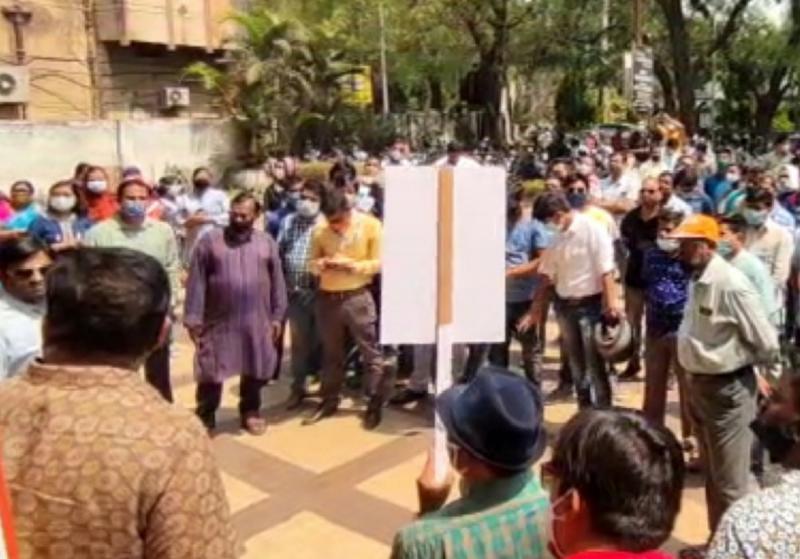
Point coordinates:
[(345, 254)]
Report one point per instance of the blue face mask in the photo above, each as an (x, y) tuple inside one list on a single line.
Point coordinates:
[(724, 248), (756, 218), (133, 209), (577, 200), (552, 228)]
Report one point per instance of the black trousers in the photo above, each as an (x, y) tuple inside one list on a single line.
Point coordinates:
[(209, 397), (156, 371)]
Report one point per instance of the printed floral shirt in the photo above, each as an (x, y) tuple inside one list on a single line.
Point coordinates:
[(99, 466), (764, 525)]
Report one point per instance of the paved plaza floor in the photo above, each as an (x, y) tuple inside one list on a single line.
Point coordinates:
[(335, 491)]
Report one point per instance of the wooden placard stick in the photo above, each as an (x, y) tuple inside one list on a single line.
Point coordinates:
[(444, 315)]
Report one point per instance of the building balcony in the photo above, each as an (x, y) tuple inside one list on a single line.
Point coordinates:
[(170, 23)]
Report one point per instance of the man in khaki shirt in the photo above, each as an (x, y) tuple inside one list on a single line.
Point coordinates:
[(98, 464), (345, 253), (724, 332)]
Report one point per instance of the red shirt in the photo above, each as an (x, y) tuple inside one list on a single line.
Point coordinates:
[(620, 555), (101, 207)]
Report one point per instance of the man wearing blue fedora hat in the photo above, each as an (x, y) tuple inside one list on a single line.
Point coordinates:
[(495, 432)]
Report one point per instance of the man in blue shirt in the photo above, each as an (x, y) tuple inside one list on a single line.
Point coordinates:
[(717, 186), (688, 189), (526, 239), (666, 292)]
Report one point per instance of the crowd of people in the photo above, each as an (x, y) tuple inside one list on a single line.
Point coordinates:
[(675, 261)]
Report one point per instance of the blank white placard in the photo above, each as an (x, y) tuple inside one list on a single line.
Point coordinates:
[(479, 240), (408, 289), (410, 242)]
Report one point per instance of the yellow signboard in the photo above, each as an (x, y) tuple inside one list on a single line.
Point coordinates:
[(356, 88)]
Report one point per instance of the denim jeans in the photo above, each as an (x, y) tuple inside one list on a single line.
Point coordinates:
[(306, 346), (589, 373)]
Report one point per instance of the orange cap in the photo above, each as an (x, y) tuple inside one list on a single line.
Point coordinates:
[(698, 226)]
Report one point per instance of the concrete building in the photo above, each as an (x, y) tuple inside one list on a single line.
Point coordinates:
[(107, 59)]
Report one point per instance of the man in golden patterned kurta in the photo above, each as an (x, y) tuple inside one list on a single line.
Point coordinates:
[(98, 465)]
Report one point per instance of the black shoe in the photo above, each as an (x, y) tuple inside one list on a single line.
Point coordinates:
[(323, 410), (374, 414), (295, 400), (209, 422), (562, 393), (631, 371), (406, 396)]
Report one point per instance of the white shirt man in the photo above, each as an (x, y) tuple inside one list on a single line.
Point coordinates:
[(578, 258), (211, 202), (579, 264), (20, 334)]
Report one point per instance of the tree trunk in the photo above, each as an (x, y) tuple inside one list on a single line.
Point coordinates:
[(667, 86), (489, 82), (683, 71), (766, 109), (436, 93)]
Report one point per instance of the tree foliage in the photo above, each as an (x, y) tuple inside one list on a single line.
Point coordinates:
[(282, 80)]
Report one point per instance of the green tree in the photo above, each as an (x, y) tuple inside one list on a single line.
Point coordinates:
[(763, 64), (281, 76)]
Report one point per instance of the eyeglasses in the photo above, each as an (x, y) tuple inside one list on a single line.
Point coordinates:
[(27, 273), (650, 191)]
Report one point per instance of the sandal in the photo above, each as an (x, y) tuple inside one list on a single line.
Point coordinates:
[(254, 425)]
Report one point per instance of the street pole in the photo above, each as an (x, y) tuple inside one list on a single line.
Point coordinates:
[(714, 77), (384, 72), (638, 19), (605, 21)]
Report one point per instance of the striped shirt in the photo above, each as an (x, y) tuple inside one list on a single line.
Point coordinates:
[(501, 519)]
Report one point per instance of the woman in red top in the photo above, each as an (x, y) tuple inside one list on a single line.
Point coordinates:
[(100, 201), (615, 484)]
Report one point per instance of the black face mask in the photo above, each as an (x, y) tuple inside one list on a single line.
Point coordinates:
[(513, 211), (777, 440), (201, 183)]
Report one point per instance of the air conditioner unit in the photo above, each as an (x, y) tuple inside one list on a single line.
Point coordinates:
[(175, 97), (14, 85)]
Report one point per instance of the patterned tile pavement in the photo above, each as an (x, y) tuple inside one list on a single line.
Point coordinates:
[(335, 491)]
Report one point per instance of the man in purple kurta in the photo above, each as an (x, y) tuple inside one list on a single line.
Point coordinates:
[(235, 304)]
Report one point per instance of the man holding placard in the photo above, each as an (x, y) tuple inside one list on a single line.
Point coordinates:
[(579, 269)]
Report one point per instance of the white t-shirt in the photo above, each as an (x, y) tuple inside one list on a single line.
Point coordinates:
[(626, 187), (676, 204), (578, 258), (463, 161)]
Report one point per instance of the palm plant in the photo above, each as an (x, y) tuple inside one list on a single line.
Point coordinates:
[(281, 76)]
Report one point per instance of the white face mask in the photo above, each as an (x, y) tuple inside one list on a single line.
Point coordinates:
[(175, 190), (550, 518), (307, 208), (732, 177), (365, 203), (62, 203), (98, 186), (668, 245)]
